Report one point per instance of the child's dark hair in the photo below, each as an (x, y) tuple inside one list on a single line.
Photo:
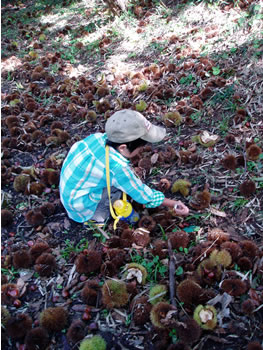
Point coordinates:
[(132, 145)]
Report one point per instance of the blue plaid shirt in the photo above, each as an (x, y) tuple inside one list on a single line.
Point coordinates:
[(83, 178)]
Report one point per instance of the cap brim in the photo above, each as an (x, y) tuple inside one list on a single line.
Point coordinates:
[(155, 134)]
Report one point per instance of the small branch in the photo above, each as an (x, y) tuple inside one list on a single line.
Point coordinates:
[(72, 271), (103, 232), (171, 273), (95, 227), (206, 250), (163, 5), (80, 124), (5, 9), (245, 157)]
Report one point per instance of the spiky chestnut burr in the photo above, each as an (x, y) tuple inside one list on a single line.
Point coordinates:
[(188, 292), (45, 264), (76, 331), (247, 188), (96, 342), (37, 339), (18, 326), (141, 310), (206, 316), (134, 270), (159, 312), (157, 293), (53, 318), (6, 217), (90, 262), (114, 294)]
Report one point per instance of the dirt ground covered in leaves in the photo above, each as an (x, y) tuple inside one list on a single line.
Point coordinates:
[(194, 67)]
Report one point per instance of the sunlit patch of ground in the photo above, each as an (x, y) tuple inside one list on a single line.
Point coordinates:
[(215, 31)]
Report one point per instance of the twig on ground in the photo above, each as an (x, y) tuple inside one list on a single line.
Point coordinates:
[(103, 232), (80, 124), (72, 271), (206, 250), (171, 273)]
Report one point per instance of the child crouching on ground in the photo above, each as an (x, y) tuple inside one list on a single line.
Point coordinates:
[(83, 188)]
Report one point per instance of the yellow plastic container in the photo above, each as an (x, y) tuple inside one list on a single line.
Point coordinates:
[(125, 210)]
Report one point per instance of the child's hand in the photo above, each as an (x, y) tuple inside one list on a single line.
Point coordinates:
[(181, 209)]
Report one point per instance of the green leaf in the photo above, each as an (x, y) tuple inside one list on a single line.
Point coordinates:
[(216, 70), (179, 271), (192, 229), (96, 235), (21, 206)]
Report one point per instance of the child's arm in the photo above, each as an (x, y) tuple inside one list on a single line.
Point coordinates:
[(125, 179), (178, 206)]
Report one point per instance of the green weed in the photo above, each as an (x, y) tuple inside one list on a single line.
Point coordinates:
[(96, 232), (45, 101), (251, 166), (179, 271), (164, 236), (128, 320), (131, 55), (189, 79), (183, 250), (239, 203), (94, 46), (224, 126), (257, 281), (91, 27), (196, 116), (12, 273), (224, 94), (54, 68), (155, 171), (159, 46), (105, 313), (70, 53), (173, 335), (236, 267), (198, 217), (100, 237), (70, 248), (154, 267), (216, 70), (9, 76)]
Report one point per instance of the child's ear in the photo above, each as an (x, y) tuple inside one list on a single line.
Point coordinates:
[(122, 148)]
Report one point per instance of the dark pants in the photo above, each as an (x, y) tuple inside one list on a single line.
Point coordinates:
[(102, 213)]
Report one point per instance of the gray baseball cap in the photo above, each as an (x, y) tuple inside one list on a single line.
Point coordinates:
[(129, 125)]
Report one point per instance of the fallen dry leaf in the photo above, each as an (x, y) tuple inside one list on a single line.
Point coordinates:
[(217, 212), (206, 137), (154, 158)]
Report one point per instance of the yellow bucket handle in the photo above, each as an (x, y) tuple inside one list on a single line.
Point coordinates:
[(124, 196)]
